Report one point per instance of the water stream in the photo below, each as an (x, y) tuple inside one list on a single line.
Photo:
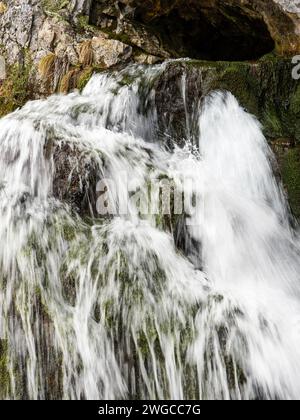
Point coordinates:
[(201, 303)]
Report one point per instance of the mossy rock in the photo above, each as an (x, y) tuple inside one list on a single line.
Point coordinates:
[(265, 88), (290, 170), (241, 81), (15, 90), (54, 7), (4, 374), (294, 112)]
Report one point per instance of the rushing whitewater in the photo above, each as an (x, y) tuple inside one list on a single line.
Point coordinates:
[(199, 305)]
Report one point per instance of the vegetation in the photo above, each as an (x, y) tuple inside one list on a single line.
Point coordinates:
[(4, 374), (291, 178), (47, 66), (15, 91), (3, 7), (86, 56), (69, 80), (54, 6), (84, 25), (84, 77)]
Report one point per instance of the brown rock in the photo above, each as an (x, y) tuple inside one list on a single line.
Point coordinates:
[(109, 52)]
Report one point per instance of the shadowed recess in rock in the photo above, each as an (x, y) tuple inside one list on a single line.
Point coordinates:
[(220, 36), (196, 29)]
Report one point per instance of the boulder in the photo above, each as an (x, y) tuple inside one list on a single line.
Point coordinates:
[(109, 52)]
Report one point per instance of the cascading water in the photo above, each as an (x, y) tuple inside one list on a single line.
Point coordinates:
[(110, 306)]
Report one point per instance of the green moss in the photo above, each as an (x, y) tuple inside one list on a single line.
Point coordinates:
[(293, 116), (68, 284), (148, 337), (83, 24), (15, 90), (265, 88), (236, 79), (109, 314), (291, 178), (54, 7), (242, 79), (34, 249), (295, 102), (84, 78), (272, 56), (4, 374), (66, 229), (272, 123)]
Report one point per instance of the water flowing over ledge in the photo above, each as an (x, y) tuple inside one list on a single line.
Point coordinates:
[(200, 305)]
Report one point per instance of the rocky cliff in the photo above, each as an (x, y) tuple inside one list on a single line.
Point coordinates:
[(64, 40)]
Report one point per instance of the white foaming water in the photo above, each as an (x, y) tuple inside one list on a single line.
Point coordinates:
[(108, 307)]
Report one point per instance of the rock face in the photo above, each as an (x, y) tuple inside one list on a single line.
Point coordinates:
[(266, 89), (209, 29), (44, 35), (292, 6)]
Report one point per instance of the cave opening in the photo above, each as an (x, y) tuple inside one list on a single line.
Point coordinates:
[(229, 36), (189, 28)]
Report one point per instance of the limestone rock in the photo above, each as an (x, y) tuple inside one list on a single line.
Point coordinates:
[(117, 19), (197, 28), (80, 7), (292, 6), (16, 26), (143, 58), (72, 36), (109, 52)]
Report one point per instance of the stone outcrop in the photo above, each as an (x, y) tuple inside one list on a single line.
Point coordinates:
[(43, 34), (266, 89), (208, 29), (146, 30)]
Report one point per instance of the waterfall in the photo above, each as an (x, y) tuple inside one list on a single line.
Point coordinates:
[(110, 288)]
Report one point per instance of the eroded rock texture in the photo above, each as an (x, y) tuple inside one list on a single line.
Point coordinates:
[(209, 29)]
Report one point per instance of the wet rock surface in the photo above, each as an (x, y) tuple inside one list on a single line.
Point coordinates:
[(266, 89), (75, 180)]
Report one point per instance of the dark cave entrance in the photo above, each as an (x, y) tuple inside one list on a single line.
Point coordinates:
[(193, 28), (225, 37)]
